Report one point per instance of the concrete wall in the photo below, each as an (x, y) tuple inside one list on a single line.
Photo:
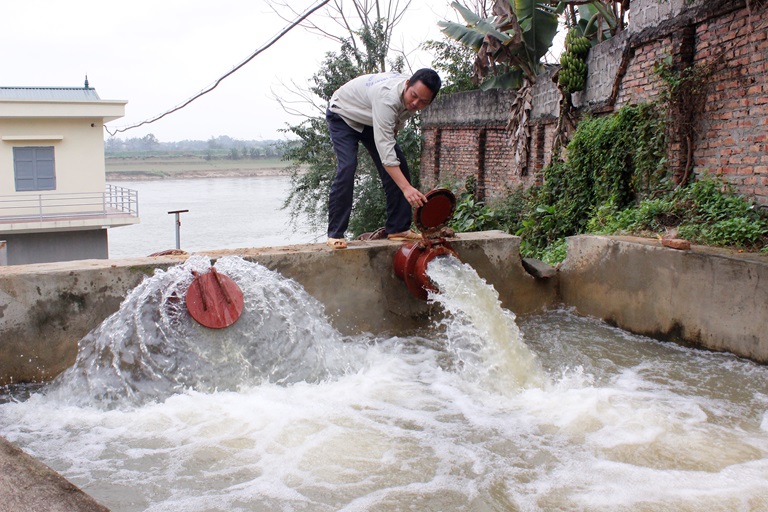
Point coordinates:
[(55, 246), (711, 298), (46, 309), (29, 485)]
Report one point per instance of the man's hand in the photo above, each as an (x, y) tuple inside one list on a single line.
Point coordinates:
[(414, 197), (412, 194)]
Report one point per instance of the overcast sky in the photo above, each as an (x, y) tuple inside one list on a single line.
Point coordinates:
[(156, 54)]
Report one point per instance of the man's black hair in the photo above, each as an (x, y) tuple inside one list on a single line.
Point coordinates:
[(428, 77)]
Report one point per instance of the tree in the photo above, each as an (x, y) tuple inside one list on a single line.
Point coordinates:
[(365, 18), (454, 61), (113, 145), (511, 43), (362, 50), (149, 142)]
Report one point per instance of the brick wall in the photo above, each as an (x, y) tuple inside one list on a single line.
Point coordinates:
[(733, 132), (465, 133)]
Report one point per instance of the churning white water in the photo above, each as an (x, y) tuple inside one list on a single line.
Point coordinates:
[(281, 413)]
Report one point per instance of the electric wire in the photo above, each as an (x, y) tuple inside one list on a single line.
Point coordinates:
[(272, 41)]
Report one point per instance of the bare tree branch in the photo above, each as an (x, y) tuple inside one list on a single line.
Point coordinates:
[(344, 22)]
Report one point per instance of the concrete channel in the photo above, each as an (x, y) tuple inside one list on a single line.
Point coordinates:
[(714, 299)]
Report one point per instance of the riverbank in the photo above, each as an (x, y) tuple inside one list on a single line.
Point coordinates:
[(191, 167)]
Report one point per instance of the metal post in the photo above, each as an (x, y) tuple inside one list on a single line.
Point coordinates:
[(3, 253), (178, 226)]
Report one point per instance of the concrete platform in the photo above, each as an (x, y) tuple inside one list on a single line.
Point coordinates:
[(28, 485)]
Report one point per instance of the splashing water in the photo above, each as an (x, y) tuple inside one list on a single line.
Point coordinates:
[(280, 413), (483, 336), (151, 348)]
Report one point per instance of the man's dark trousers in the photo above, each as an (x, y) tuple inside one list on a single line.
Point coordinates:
[(345, 142)]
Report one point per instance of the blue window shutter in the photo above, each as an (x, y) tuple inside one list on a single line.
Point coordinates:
[(46, 176), (24, 168), (34, 168)]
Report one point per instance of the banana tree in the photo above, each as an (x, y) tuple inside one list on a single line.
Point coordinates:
[(510, 44)]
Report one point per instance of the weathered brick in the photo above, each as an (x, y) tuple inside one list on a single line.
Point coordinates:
[(732, 126)]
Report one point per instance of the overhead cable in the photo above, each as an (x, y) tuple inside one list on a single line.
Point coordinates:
[(217, 82)]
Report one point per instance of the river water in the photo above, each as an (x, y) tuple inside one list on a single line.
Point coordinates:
[(482, 411), (224, 213)]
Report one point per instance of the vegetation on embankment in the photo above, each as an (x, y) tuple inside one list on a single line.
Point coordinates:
[(613, 179)]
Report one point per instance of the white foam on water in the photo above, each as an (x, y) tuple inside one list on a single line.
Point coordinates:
[(604, 421)]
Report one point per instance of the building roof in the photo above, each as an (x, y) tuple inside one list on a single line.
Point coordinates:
[(49, 93)]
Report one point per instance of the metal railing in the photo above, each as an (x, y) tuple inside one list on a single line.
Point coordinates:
[(115, 201)]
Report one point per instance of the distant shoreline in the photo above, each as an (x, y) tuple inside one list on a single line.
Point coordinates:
[(191, 167), (194, 174)]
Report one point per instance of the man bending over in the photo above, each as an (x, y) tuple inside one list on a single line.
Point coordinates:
[(371, 109)]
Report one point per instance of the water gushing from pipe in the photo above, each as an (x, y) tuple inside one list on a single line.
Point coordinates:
[(483, 336), (151, 348)]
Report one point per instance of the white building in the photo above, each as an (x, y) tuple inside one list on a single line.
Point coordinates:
[(55, 204)]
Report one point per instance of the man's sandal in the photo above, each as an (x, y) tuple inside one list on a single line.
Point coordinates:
[(336, 243), (405, 236)]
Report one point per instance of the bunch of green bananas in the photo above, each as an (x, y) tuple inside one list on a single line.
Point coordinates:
[(573, 71), (577, 43)]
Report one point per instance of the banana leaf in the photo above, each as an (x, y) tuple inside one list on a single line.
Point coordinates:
[(538, 22), (512, 79), (468, 36), (474, 32)]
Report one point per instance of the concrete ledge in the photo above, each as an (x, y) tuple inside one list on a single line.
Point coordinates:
[(711, 298), (29, 485), (46, 309), (706, 297)]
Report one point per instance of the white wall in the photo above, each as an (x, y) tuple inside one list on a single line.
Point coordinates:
[(79, 154)]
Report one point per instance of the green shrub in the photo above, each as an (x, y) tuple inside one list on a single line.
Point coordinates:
[(554, 253), (511, 209), (612, 162), (614, 181), (706, 212), (472, 215)]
